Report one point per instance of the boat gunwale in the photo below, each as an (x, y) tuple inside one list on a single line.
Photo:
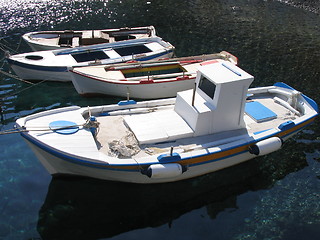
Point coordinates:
[(143, 80)]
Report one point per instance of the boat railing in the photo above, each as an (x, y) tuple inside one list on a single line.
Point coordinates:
[(49, 112), (143, 104)]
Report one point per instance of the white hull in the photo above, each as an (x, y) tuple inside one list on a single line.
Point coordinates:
[(53, 65), (56, 166), (59, 75), (87, 86), (40, 47)]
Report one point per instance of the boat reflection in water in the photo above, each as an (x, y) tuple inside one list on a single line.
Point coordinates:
[(85, 208)]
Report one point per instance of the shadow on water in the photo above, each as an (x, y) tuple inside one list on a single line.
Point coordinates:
[(83, 208)]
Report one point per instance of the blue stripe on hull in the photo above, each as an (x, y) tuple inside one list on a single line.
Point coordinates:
[(37, 67)]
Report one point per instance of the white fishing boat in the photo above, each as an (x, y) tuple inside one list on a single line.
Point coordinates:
[(218, 124), (144, 80), (50, 40), (53, 65)]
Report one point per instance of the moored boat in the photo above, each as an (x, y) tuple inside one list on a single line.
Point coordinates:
[(53, 65), (219, 123), (50, 40), (153, 79)]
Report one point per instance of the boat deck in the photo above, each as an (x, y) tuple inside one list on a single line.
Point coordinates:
[(138, 135)]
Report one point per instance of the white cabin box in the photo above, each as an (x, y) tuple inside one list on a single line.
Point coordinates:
[(219, 99)]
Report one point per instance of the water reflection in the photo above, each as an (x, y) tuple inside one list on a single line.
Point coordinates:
[(82, 208)]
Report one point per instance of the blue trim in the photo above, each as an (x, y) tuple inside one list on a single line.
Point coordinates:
[(286, 125), (313, 104), (169, 158), (232, 70), (258, 132), (283, 85), (37, 67), (298, 128), (104, 114), (127, 102)]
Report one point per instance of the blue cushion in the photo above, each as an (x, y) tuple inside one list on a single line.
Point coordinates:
[(259, 112)]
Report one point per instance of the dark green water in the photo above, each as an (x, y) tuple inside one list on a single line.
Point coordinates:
[(273, 197)]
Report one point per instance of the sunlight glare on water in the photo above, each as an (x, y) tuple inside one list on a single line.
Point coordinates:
[(46, 14)]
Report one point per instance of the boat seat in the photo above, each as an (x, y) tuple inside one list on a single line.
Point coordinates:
[(155, 127), (75, 41), (258, 112)]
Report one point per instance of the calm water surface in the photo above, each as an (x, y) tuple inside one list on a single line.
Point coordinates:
[(273, 197)]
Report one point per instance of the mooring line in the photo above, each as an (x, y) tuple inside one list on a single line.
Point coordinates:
[(44, 128), (15, 77), (6, 48)]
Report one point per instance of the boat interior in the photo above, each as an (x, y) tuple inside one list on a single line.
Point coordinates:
[(84, 38), (156, 71), (137, 134)]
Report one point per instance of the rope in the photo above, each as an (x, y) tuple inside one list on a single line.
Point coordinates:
[(15, 77), (19, 44), (6, 48), (87, 124), (14, 130), (23, 129)]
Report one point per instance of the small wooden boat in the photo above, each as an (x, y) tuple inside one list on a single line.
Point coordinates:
[(50, 40), (217, 124), (53, 65), (144, 80)]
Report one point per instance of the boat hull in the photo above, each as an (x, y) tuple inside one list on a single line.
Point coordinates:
[(60, 163), (40, 47), (60, 166), (30, 72), (141, 90)]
